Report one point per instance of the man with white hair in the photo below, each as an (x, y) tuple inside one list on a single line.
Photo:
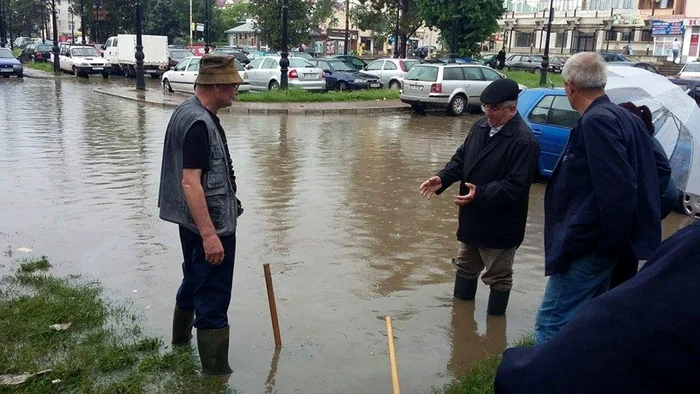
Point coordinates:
[(602, 204)]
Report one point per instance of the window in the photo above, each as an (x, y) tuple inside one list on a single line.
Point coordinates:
[(561, 114), (539, 113), (194, 65), (646, 35), (523, 39), (255, 63), (114, 43), (697, 95), (375, 65), (323, 66), (473, 74), (357, 62), (422, 73), (453, 74), (182, 65), (269, 64), (627, 36), (490, 75), (389, 65)]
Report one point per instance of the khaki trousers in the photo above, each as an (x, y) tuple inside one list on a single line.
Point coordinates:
[(471, 260)]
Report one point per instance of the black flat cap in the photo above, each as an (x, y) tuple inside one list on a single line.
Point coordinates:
[(500, 90)]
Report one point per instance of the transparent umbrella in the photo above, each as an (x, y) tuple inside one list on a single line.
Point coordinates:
[(676, 120)]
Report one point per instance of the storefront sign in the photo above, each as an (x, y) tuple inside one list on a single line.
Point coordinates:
[(661, 28), (693, 22)]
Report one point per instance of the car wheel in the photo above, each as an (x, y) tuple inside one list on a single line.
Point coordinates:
[(76, 72), (507, 68), (20, 75), (537, 70), (155, 76), (166, 85), (125, 71), (274, 85), (342, 86), (394, 85), (457, 105), (105, 75)]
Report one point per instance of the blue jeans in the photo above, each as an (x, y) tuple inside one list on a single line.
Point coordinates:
[(567, 293), (206, 288)]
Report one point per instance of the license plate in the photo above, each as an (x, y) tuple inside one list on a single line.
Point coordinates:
[(98, 68), (311, 76), (6, 70), (374, 85), (415, 87), (150, 71)]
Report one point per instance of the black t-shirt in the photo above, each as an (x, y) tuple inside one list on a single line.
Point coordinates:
[(195, 148)]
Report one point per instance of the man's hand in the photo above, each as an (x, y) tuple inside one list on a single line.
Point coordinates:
[(429, 187), (463, 201), (213, 250)]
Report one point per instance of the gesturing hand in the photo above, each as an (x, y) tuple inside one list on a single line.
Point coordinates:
[(466, 200), (429, 187), (213, 249)]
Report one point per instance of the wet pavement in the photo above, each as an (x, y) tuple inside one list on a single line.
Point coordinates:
[(331, 203)]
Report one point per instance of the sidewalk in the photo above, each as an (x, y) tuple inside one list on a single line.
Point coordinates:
[(160, 98)]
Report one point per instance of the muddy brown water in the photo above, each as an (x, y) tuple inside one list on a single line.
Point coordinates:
[(331, 203)]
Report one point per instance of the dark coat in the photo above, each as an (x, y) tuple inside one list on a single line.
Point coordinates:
[(641, 337), (502, 168), (604, 194)]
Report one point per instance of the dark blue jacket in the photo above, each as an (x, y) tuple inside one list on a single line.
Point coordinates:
[(604, 194), (641, 337)]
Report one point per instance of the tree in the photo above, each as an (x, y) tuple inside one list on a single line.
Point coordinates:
[(380, 16), (323, 10), (478, 20), (234, 15), (167, 18), (268, 16)]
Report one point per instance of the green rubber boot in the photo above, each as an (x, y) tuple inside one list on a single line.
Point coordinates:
[(465, 289), (498, 302), (182, 326), (213, 351)]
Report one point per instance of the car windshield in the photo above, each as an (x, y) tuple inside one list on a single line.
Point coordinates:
[(239, 66), (44, 48), (180, 53), (299, 62), (692, 68), (81, 52), (422, 73), (339, 65), (410, 63), (6, 54)]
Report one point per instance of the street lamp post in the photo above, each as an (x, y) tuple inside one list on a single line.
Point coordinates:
[(72, 25), (396, 32), (455, 27), (3, 32), (56, 64), (545, 58), (347, 27), (140, 83), (206, 26), (284, 61)]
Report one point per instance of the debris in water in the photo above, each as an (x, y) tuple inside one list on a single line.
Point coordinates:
[(60, 327), (56, 381), (24, 250), (14, 380), (135, 291)]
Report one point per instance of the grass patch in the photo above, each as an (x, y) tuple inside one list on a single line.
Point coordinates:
[(532, 80), (43, 66), (16, 52), (296, 95), (103, 351), (480, 377)]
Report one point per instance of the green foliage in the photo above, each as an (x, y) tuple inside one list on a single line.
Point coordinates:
[(478, 20), (234, 15), (322, 12), (365, 17), (380, 16), (268, 15), (297, 95), (43, 66), (38, 264), (25, 16)]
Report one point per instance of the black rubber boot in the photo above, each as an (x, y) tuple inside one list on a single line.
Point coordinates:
[(213, 351), (498, 302), (182, 326), (465, 289)]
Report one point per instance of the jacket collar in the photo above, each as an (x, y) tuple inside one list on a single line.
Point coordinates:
[(508, 128), (600, 100)]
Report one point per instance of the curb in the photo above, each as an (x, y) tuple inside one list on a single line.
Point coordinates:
[(269, 111)]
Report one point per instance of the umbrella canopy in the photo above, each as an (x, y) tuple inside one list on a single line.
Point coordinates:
[(676, 120)]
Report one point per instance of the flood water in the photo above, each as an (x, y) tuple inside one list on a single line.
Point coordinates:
[(330, 202)]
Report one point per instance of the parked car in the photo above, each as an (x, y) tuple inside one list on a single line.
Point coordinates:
[(390, 71), (616, 57), (490, 60), (303, 55), (352, 61), (265, 74), (690, 86), (22, 42), (690, 70), (550, 116), (530, 63), (424, 51), (556, 64), (645, 66), (340, 76), (9, 65), (83, 60), (455, 87), (27, 53), (260, 54), (182, 77), (238, 55), (175, 55), (460, 60)]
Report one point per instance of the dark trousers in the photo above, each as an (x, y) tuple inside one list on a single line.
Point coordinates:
[(205, 287)]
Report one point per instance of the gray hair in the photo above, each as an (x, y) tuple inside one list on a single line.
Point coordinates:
[(586, 70), (510, 103)]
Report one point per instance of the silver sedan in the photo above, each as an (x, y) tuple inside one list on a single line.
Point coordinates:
[(265, 74)]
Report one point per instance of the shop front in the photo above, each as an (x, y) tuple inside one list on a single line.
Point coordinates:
[(692, 34), (665, 33)]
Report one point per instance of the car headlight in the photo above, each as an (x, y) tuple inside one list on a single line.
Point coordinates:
[(17, 66), (83, 64)]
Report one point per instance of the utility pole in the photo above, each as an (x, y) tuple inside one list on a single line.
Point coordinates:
[(545, 58), (82, 23), (347, 27), (3, 31), (140, 83), (206, 26), (56, 63), (396, 33), (284, 61)]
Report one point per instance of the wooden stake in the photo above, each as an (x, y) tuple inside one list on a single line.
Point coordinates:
[(273, 306), (392, 356)]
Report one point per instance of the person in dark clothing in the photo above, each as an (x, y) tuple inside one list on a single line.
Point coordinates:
[(669, 190), (198, 192), (501, 58), (641, 337), (602, 202), (495, 167)]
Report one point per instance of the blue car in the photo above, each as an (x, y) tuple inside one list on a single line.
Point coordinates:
[(459, 60), (340, 76), (550, 116), (9, 65)]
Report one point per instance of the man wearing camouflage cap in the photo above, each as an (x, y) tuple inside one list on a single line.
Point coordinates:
[(495, 167), (198, 192)]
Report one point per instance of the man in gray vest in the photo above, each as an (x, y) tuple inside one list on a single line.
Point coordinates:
[(198, 192)]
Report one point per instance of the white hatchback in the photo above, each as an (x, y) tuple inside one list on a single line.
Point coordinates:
[(182, 77)]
